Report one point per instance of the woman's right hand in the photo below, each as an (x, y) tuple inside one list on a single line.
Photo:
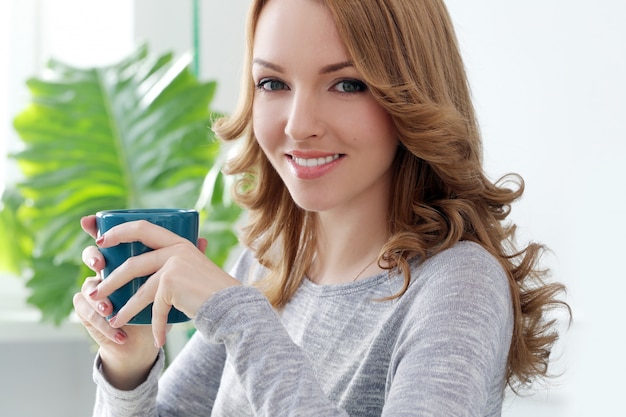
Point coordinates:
[(127, 353)]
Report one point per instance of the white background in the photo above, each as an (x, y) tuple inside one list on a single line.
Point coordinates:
[(548, 78)]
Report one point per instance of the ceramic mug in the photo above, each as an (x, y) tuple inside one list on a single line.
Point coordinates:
[(180, 221)]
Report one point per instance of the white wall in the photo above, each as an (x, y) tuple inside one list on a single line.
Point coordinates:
[(549, 83)]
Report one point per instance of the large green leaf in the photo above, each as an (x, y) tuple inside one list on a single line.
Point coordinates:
[(15, 242), (131, 135)]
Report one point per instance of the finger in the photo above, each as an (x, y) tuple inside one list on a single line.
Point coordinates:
[(90, 284), (93, 258), (202, 244), (96, 325), (89, 291), (151, 235), (160, 310), (142, 265), (88, 223), (142, 298)]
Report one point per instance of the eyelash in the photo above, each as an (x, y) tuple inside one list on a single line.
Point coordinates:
[(265, 81), (360, 86)]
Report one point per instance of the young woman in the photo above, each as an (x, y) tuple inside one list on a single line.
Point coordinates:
[(379, 275)]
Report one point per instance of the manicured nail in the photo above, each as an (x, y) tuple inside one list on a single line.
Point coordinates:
[(100, 240), (112, 321), (93, 293), (92, 262), (120, 337), (102, 307)]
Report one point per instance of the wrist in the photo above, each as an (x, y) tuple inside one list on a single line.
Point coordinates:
[(125, 372)]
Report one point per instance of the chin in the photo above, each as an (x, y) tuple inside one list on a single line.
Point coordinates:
[(312, 204)]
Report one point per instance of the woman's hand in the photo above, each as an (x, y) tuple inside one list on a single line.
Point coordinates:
[(127, 353), (181, 275)]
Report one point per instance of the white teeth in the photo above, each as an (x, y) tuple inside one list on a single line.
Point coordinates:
[(314, 162)]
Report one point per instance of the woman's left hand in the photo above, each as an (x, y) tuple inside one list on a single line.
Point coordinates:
[(181, 275)]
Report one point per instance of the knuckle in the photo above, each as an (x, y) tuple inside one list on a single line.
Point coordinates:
[(166, 280), (142, 292), (89, 284), (174, 261), (130, 264), (140, 224), (77, 299), (92, 316), (178, 259), (90, 252), (182, 244), (168, 277)]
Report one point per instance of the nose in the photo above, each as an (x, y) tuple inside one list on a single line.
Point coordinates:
[(304, 118)]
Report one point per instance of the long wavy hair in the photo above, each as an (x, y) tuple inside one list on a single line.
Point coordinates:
[(407, 53)]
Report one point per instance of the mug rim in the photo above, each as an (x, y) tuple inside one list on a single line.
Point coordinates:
[(146, 211)]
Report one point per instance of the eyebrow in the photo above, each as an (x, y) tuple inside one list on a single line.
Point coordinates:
[(336, 67), (267, 64), (324, 70)]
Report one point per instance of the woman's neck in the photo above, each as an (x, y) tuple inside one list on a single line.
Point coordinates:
[(348, 246)]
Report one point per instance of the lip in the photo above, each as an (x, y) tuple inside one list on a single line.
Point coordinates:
[(319, 163)]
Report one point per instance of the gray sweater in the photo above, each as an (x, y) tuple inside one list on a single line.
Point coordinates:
[(439, 350)]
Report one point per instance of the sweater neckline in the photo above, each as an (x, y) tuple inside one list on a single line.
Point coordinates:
[(364, 284)]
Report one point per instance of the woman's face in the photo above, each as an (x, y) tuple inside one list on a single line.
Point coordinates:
[(329, 140)]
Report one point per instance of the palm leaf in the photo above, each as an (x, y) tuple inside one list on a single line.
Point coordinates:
[(131, 135)]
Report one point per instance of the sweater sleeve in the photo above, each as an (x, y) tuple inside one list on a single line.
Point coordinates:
[(187, 388), (276, 375), (452, 350), (190, 384), (112, 402)]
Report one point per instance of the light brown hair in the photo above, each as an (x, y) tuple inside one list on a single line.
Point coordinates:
[(407, 53)]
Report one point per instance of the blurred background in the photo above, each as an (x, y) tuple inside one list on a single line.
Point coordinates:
[(549, 87)]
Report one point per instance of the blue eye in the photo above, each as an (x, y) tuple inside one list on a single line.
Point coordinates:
[(270, 84), (351, 86)]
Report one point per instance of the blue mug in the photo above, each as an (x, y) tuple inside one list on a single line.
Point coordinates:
[(185, 223)]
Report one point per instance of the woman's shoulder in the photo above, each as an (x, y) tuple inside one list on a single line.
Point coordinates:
[(464, 256), (466, 267), (463, 288)]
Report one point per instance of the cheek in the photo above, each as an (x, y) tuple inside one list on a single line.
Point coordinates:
[(267, 133), (381, 130), (262, 126)]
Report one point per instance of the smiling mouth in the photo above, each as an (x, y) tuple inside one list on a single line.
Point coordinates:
[(315, 162)]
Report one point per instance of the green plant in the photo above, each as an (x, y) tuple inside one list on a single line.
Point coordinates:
[(130, 135)]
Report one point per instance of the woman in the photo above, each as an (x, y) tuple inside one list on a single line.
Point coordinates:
[(379, 277)]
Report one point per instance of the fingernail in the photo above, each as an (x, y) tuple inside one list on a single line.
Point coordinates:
[(102, 307), (112, 320), (92, 262), (100, 240), (120, 337), (93, 293)]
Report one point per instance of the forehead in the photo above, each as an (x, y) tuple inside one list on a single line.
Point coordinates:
[(296, 27)]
